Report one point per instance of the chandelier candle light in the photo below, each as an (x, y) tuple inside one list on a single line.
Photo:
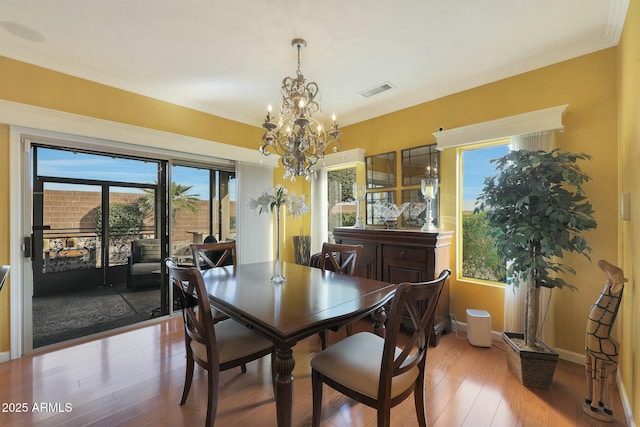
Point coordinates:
[(297, 137), (271, 200)]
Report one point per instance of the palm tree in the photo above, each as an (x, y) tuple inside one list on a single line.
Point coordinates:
[(179, 200)]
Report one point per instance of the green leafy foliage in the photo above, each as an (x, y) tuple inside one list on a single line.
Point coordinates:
[(342, 219), (180, 199), (536, 208), (125, 220), (480, 256), (345, 178)]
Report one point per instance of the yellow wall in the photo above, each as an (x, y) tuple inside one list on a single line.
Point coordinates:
[(293, 226), (33, 85), (28, 84), (588, 85), (629, 233)]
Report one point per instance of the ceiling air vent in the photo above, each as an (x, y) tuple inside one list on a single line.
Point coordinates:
[(377, 89)]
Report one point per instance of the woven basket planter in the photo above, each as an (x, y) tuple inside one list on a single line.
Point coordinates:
[(534, 368)]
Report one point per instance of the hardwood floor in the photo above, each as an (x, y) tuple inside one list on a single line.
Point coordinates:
[(135, 379)]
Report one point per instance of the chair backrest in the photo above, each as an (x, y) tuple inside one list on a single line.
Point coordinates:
[(4, 272), (419, 301), (196, 311), (340, 258), (210, 255)]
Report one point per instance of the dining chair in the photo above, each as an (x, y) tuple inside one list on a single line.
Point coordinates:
[(341, 259), (211, 255), (214, 254), (383, 372), (215, 348)]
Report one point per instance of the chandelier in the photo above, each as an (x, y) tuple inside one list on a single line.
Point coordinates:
[(297, 137)]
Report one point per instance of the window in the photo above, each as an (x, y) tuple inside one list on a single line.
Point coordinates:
[(480, 259), (342, 205)]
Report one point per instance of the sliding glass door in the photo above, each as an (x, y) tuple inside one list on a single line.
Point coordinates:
[(89, 210), (203, 206)]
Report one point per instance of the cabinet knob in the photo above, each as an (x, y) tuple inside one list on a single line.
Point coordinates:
[(403, 254)]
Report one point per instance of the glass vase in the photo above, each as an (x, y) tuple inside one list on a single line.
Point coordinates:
[(359, 193), (277, 277), (429, 188)]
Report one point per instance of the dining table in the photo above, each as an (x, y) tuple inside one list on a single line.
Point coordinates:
[(309, 301)]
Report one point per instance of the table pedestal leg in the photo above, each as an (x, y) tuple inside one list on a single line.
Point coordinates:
[(379, 317), (284, 385)]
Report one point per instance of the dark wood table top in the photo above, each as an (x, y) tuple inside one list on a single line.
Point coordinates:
[(309, 301)]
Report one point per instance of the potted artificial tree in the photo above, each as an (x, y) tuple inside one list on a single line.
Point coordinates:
[(537, 210)]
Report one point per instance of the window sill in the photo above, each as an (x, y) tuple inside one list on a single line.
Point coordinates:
[(480, 282)]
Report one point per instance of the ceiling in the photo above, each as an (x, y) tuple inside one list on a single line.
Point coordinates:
[(229, 58)]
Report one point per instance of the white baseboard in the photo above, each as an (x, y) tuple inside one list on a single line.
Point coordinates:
[(569, 356), (5, 356), (573, 357), (628, 410)]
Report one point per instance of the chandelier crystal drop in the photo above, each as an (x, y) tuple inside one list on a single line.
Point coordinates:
[(297, 137)]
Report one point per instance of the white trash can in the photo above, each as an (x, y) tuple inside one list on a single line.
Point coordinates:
[(479, 327)]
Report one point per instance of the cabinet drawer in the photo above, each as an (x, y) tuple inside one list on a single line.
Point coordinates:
[(404, 253)]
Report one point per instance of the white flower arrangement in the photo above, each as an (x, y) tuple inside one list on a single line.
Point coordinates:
[(279, 196)]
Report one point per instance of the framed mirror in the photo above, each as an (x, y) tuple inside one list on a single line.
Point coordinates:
[(415, 214), (419, 162), (381, 170), (378, 197)]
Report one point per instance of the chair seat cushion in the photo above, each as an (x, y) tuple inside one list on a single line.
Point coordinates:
[(144, 268), (355, 362), (234, 341)]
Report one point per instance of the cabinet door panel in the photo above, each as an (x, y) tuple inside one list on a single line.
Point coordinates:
[(402, 264), (395, 273), (367, 266)]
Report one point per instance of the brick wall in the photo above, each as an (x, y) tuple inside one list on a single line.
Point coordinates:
[(76, 210)]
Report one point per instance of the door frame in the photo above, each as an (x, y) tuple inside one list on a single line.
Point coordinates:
[(160, 221), (85, 132), (21, 278)]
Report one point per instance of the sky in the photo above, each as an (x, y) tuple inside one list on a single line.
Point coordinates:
[(66, 164), (476, 166)]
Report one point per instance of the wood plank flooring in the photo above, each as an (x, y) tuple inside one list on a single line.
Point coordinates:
[(135, 378)]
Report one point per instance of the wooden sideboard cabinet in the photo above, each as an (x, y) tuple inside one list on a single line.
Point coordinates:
[(404, 256)]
